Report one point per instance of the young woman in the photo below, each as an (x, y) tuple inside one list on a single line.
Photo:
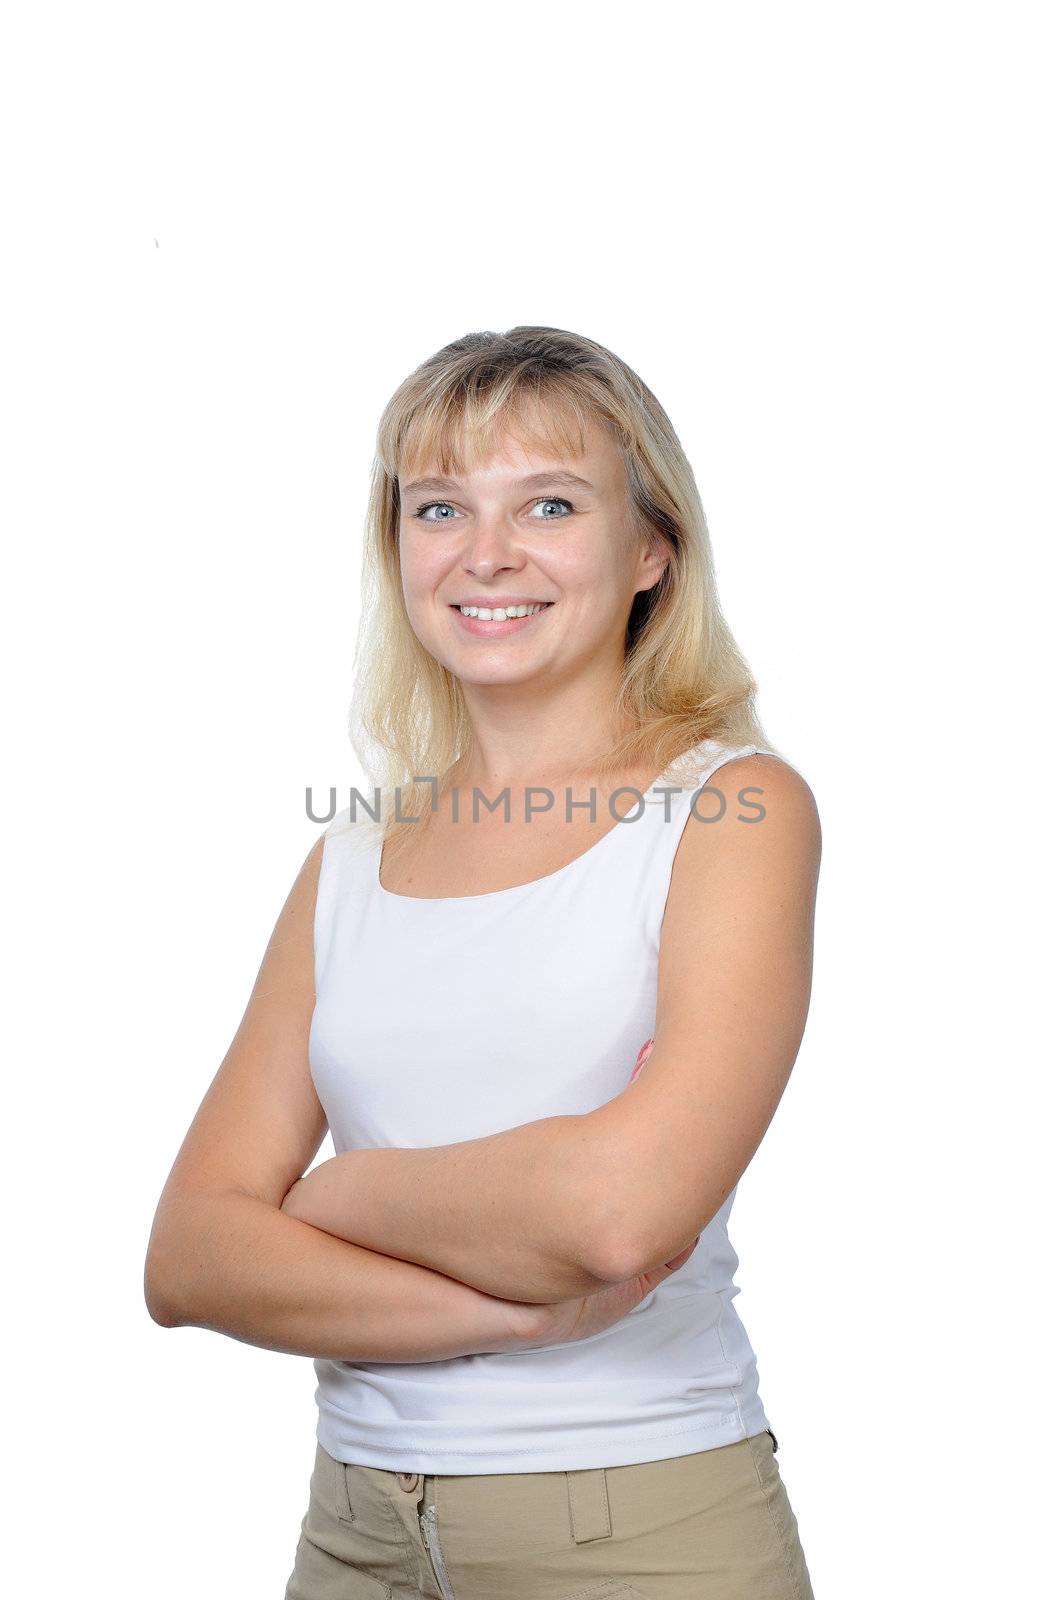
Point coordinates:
[(545, 984)]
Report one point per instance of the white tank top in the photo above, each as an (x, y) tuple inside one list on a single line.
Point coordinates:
[(400, 1056)]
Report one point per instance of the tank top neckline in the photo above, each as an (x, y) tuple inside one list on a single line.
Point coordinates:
[(533, 883)]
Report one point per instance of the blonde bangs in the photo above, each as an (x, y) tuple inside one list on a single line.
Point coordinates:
[(456, 431)]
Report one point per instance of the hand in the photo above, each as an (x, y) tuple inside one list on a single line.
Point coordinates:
[(567, 1320)]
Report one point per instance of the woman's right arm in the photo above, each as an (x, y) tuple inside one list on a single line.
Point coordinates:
[(223, 1255), (246, 1269)]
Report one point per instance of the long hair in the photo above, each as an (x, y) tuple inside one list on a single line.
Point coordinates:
[(683, 679)]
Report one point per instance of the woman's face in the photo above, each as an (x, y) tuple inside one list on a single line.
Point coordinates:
[(515, 530)]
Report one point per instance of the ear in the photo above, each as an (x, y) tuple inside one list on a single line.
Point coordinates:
[(652, 563)]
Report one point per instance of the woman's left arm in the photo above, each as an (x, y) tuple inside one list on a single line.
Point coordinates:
[(555, 1208), (512, 1214), (733, 991)]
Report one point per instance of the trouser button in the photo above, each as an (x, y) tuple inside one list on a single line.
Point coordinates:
[(407, 1480)]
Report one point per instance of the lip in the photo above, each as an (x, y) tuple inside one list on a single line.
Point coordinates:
[(489, 629), (496, 600)]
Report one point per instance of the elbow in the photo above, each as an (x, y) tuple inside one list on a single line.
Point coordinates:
[(159, 1310), (627, 1250), (607, 1245), (620, 1264), (160, 1314), (616, 1246), (614, 1257), (625, 1223), (162, 1308)]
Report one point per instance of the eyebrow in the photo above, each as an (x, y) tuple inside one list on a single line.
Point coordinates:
[(536, 480)]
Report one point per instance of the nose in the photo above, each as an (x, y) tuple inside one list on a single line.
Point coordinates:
[(491, 549)]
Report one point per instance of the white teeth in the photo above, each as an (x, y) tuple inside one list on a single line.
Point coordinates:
[(499, 613)]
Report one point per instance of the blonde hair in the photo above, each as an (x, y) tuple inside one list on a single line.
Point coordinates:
[(683, 680)]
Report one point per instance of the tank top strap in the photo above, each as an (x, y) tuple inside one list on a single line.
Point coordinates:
[(713, 755), (647, 843), (348, 865), (668, 803)]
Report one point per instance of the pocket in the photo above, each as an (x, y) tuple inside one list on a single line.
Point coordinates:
[(320, 1575), (762, 1447), (333, 1561), (328, 1489), (340, 1492), (328, 1486), (783, 1521)]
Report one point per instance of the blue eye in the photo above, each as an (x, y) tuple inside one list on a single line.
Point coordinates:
[(546, 499), (428, 505), (553, 500)]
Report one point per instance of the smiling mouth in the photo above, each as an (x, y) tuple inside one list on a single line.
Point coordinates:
[(542, 604)]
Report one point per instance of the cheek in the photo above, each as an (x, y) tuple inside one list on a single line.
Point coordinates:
[(423, 576), (425, 555), (419, 574)]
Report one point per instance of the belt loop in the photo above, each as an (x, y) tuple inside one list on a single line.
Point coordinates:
[(588, 1505)]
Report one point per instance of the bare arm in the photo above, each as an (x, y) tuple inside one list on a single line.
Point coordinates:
[(223, 1255), (734, 982), (512, 1214), (269, 1280)]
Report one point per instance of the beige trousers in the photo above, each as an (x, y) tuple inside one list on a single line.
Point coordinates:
[(715, 1525)]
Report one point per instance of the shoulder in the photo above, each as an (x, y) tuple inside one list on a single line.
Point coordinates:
[(298, 909), (338, 834), (769, 779), (753, 822), (350, 831)]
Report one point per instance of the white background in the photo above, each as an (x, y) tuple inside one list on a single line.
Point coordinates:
[(828, 237)]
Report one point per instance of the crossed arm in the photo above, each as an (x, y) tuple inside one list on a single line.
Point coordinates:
[(552, 1209), (515, 1214)]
